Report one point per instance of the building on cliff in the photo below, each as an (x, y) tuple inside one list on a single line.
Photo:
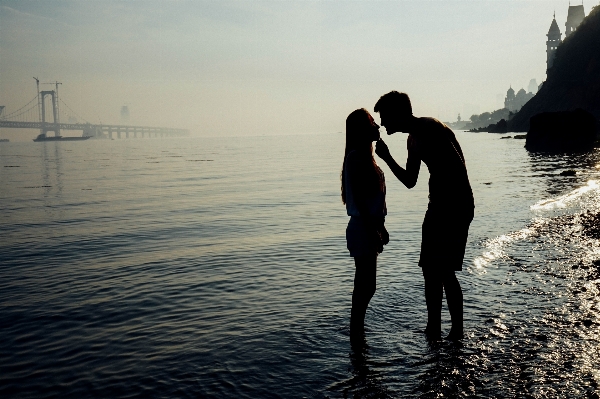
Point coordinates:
[(573, 81), (575, 16), (552, 43), (513, 102)]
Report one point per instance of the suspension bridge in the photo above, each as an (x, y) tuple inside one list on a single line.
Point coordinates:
[(33, 116)]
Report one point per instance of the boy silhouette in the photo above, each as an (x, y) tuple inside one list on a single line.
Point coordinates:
[(451, 205)]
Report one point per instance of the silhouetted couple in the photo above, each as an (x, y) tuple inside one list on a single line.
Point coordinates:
[(448, 216)]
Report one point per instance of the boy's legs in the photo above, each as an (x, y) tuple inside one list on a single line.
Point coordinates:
[(434, 292)]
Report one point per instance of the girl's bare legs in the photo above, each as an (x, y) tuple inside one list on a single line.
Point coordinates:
[(364, 289)]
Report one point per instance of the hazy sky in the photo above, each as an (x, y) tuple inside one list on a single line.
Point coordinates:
[(271, 67)]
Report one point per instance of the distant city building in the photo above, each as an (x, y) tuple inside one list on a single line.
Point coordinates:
[(513, 102), (460, 124), (124, 114), (1, 110), (574, 18), (532, 87)]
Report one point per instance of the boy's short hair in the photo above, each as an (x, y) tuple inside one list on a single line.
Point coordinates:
[(394, 102)]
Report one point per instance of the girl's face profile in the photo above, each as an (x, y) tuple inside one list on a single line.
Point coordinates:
[(372, 129)]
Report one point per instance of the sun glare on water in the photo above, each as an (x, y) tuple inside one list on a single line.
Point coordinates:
[(562, 201)]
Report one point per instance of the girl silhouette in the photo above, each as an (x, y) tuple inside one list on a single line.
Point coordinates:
[(363, 193)]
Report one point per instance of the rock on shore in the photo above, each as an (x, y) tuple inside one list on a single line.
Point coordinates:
[(561, 131)]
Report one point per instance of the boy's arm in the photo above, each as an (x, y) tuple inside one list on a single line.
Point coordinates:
[(407, 176)]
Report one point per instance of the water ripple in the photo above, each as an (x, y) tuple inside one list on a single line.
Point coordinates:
[(221, 271)]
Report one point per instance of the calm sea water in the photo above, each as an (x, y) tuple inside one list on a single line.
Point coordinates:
[(217, 267)]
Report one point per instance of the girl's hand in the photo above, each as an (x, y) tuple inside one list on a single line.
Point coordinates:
[(375, 238), (385, 236)]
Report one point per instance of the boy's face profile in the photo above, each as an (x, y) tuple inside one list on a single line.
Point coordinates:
[(391, 121)]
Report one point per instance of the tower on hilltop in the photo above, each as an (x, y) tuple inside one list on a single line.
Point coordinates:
[(510, 94), (574, 18), (552, 43)]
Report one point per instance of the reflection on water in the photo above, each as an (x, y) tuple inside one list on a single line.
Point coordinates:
[(495, 246), (363, 380), (550, 345), (218, 268), (448, 373), (550, 167), (564, 200)]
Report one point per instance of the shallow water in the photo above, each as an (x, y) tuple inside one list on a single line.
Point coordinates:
[(217, 267)]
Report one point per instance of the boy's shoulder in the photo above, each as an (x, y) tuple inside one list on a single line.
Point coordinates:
[(435, 128)]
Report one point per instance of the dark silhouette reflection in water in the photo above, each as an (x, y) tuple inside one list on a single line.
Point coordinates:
[(445, 369), (365, 382), (446, 373), (52, 165), (556, 170)]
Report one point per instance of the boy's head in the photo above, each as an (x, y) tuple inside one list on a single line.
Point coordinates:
[(394, 110)]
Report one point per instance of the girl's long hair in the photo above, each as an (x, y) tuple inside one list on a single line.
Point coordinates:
[(357, 124)]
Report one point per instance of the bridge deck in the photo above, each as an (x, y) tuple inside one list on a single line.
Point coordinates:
[(91, 127)]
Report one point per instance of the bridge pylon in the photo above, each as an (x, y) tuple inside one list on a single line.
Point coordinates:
[(55, 125)]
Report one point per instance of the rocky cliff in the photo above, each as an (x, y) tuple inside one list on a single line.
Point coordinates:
[(574, 79)]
